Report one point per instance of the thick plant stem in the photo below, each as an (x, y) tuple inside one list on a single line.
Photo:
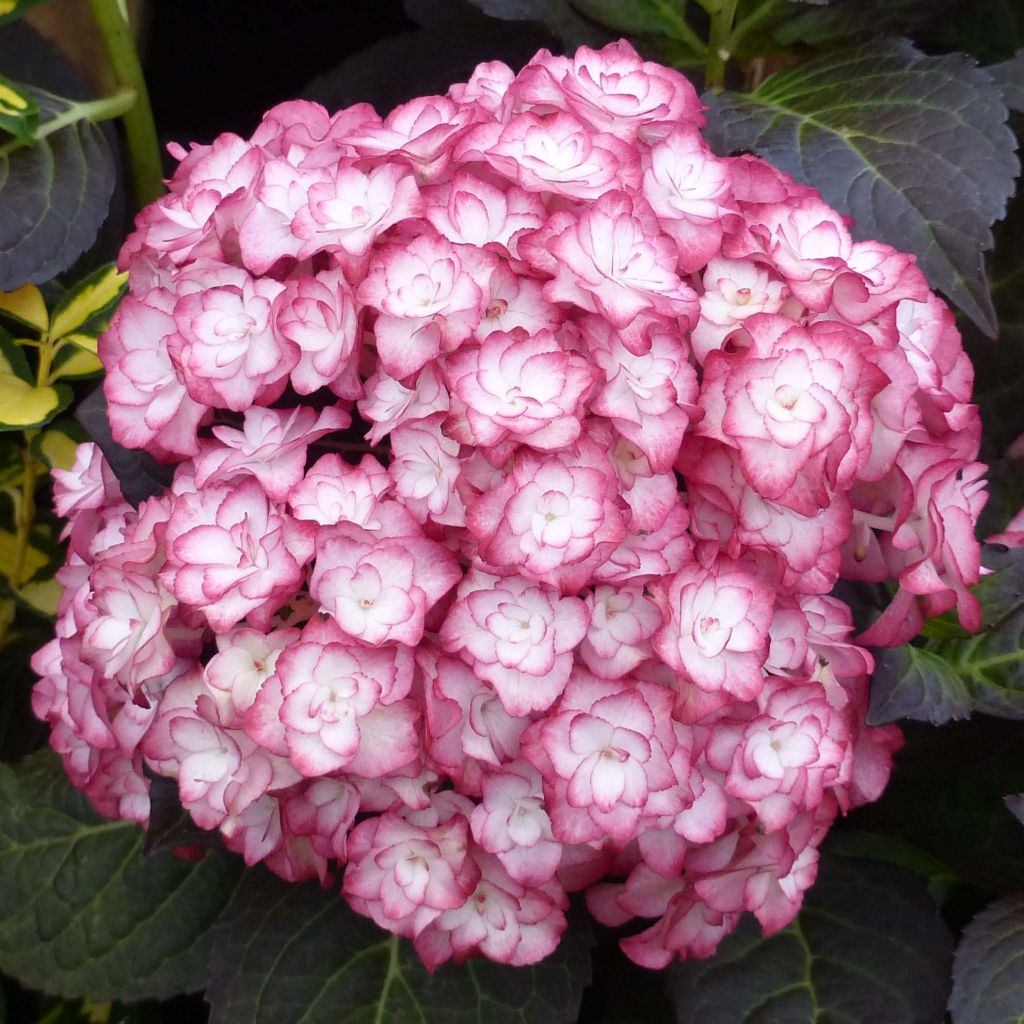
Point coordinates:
[(722, 18), (140, 131)]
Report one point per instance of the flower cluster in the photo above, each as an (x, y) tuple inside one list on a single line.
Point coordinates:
[(520, 444)]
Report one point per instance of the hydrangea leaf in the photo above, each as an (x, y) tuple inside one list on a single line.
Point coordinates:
[(138, 473), (868, 944), (1009, 76), (991, 666), (565, 19), (840, 24), (959, 672), (19, 111), (291, 953), (54, 195), (909, 682), (999, 369), (92, 297), (82, 912), (1001, 592), (988, 972), (915, 148)]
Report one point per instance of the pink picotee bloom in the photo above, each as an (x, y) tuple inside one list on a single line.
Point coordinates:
[(521, 443)]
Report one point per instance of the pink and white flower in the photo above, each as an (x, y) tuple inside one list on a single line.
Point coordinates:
[(526, 388), (716, 628), (517, 635), (231, 555), (379, 590)]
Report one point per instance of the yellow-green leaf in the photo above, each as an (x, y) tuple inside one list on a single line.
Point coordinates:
[(57, 448), (22, 405), (86, 299), (86, 341), (12, 359), (19, 111), (42, 596), (34, 558), (75, 363), (25, 305)]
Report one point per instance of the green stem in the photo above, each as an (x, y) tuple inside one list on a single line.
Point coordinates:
[(26, 513), (140, 131), (89, 110), (719, 52)]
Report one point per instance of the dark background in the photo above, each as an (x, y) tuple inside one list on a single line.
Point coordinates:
[(211, 70)]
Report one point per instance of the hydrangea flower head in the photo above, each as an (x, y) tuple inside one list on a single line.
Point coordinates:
[(519, 444)]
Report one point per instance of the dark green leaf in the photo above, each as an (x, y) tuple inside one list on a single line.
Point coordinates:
[(82, 912), (1001, 592), (959, 673), (991, 666), (639, 17), (844, 22), (169, 825), (999, 369), (454, 39), (886, 849), (868, 945), (990, 30), (54, 196), (915, 148), (1009, 76), (13, 359), (909, 682), (19, 111), (514, 10), (294, 953), (946, 797), (988, 972)]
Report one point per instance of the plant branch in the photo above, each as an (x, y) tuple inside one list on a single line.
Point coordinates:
[(89, 110), (140, 131)]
